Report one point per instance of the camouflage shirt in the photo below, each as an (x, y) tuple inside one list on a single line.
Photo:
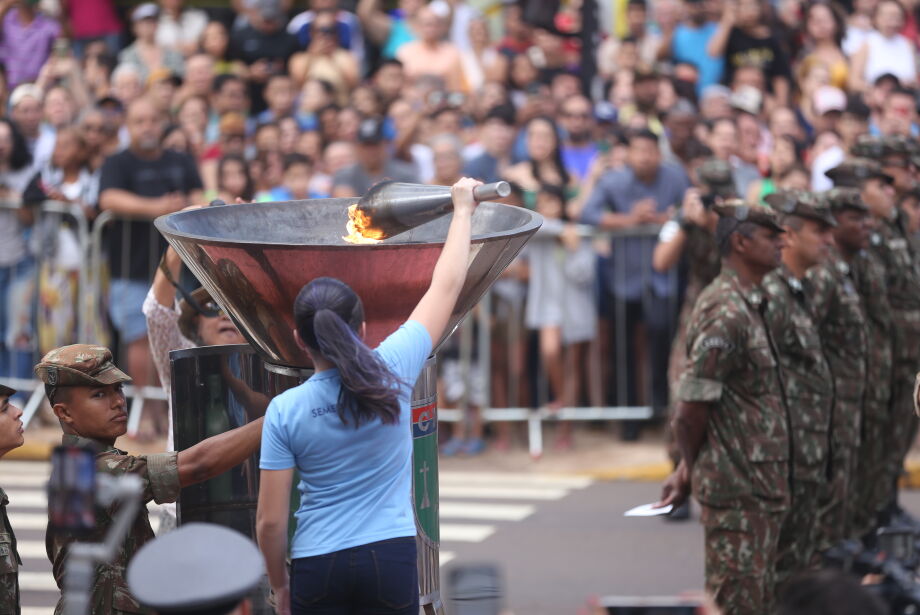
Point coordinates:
[(869, 275), (9, 563), (838, 314), (160, 475), (744, 461), (806, 377), (902, 279)]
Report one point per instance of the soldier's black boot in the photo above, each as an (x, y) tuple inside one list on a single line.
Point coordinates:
[(679, 513)]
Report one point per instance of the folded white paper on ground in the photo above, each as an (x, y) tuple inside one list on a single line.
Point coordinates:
[(646, 510)]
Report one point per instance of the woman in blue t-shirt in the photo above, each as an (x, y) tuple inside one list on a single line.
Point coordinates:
[(347, 432)]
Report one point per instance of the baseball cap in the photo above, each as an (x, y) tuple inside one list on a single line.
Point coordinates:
[(747, 98), (24, 91), (827, 98), (370, 131), (147, 10), (6, 391)]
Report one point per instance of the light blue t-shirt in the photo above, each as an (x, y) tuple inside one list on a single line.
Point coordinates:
[(355, 484), (689, 45)]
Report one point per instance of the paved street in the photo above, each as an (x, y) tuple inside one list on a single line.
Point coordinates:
[(558, 540)]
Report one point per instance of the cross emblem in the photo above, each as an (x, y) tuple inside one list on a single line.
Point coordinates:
[(426, 501)]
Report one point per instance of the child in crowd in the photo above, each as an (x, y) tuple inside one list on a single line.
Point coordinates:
[(295, 181), (279, 96), (233, 180), (560, 302)]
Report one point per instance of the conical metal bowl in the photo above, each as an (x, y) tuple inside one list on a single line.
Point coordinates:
[(254, 259)]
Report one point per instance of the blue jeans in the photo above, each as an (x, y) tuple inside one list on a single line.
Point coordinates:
[(17, 319), (379, 578)]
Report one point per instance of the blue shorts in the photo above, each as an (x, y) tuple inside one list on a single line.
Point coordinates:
[(126, 302)]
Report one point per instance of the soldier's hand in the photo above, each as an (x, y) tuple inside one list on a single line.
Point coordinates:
[(676, 488)]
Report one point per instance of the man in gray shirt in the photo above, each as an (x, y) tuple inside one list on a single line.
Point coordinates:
[(374, 164), (644, 192)]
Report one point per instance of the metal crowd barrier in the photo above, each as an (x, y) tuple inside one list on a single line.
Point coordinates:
[(90, 297), (618, 406), (91, 291)]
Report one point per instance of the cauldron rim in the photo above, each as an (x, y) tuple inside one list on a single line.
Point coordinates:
[(166, 225)]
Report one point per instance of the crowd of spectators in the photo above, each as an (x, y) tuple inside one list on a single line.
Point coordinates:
[(142, 110)]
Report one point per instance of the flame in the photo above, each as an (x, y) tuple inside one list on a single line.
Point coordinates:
[(359, 228)]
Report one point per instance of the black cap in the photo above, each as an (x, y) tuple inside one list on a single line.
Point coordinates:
[(6, 391), (504, 113), (370, 131), (198, 568)]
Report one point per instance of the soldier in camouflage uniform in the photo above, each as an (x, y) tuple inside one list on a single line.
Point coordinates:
[(691, 237), (10, 438), (84, 388), (731, 424), (859, 182), (838, 314), (892, 243), (805, 374)]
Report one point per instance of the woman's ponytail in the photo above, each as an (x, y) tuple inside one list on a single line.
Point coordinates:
[(328, 314)]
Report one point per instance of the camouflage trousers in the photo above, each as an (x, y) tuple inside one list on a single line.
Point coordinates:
[(798, 536), (741, 549), (903, 420), (835, 500), (873, 484)]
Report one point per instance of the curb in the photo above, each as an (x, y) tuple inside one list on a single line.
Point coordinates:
[(649, 472), (911, 476)]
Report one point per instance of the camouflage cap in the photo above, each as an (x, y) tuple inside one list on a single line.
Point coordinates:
[(800, 203), (717, 175), (743, 211), (868, 146), (842, 198), (79, 365), (6, 391), (852, 172)]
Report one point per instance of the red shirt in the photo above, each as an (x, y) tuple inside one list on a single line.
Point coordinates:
[(91, 18)]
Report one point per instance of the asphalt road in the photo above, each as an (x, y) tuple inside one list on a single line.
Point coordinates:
[(557, 541), (581, 546)]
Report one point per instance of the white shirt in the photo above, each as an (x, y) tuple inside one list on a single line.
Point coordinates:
[(893, 55), (187, 29)]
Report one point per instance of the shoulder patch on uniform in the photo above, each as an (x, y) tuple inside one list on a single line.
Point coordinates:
[(715, 342)]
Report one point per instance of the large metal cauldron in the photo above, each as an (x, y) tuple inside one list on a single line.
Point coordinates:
[(254, 259)]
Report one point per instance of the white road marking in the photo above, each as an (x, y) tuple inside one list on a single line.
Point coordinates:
[(443, 558), (31, 549), (37, 610), (485, 512), (458, 532), (37, 582), (27, 499), (502, 493), (11, 467), (22, 480), (39, 521), (518, 480)]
